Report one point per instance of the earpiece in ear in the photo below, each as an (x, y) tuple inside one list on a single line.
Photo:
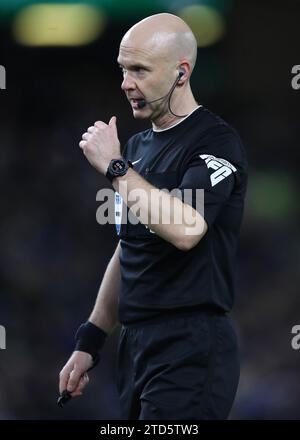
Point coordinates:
[(181, 72)]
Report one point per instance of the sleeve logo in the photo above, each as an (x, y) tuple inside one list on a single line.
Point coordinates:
[(222, 168)]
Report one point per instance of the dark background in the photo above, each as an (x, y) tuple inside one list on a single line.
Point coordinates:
[(53, 253)]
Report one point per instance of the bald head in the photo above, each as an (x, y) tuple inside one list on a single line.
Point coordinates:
[(157, 56), (165, 36)]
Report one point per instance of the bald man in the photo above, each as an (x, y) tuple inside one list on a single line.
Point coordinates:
[(170, 284)]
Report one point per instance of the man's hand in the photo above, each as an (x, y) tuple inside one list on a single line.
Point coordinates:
[(100, 144), (73, 377)]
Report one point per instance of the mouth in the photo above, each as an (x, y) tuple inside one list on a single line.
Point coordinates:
[(135, 101)]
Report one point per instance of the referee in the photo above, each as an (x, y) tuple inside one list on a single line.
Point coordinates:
[(169, 284)]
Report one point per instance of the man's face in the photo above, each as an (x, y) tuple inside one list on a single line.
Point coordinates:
[(146, 76)]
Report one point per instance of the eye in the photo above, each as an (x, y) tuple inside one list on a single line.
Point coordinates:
[(139, 69)]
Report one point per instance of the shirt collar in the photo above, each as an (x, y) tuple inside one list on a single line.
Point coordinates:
[(177, 123)]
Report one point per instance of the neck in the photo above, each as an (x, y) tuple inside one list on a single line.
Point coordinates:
[(181, 104)]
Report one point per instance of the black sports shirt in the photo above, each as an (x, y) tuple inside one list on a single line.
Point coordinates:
[(200, 152)]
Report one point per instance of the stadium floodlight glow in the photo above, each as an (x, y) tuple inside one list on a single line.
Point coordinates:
[(207, 23), (272, 196), (57, 24)]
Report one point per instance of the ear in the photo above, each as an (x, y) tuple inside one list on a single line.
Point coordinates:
[(181, 71), (184, 72)]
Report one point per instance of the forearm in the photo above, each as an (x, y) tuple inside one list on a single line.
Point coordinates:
[(162, 212), (105, 312)]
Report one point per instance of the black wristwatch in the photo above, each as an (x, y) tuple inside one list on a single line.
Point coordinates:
[(117, 167)]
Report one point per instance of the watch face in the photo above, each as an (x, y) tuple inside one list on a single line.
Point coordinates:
[(118, 165)]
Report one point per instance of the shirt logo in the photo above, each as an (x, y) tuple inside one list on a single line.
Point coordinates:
[(222, 168), (136, 161)]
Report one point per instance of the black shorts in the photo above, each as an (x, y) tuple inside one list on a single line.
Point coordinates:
[(183, 367)]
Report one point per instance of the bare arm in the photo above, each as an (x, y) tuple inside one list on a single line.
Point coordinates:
[(105, 312), (159, 211)]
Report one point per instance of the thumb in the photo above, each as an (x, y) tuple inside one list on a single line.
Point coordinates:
[(113, 122)]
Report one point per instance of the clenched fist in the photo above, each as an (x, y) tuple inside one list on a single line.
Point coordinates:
[(101, 144)]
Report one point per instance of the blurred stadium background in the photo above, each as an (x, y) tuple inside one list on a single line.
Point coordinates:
[(61, 76)]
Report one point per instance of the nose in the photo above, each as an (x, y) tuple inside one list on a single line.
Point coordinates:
[(127, 83)]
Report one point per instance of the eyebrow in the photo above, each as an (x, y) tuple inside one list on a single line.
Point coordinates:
[(134, 66)]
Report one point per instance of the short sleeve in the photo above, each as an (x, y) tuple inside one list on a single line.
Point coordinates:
[(211, 177)]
